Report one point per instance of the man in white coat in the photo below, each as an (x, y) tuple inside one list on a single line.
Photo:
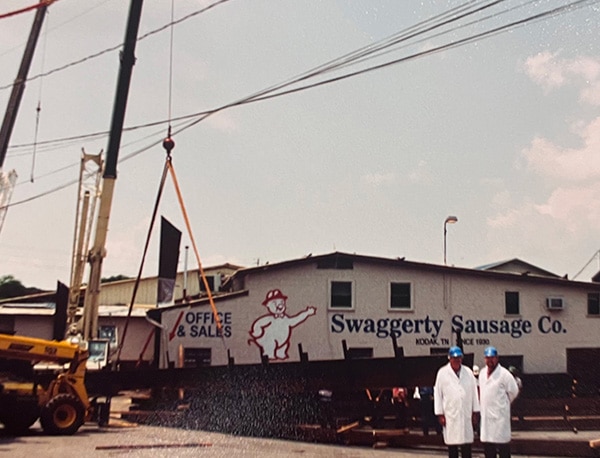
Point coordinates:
[(456, 404), (497, 390)]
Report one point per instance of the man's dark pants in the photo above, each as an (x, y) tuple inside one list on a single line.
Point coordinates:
[(490, 450), (465, 451)]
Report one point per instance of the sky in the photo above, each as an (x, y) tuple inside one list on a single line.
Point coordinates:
[(501, 130)]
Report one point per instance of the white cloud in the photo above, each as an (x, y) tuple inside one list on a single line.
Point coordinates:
[(222, 121), (377, 179), (518, 229), (552, 161), (421, 174), (551, 72), (545, 70), (501, 199), (491, 181), (504, 220), (576, 208), (569, 214), (591, 93)]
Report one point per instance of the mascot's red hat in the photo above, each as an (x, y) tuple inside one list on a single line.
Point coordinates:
[(272, 295)]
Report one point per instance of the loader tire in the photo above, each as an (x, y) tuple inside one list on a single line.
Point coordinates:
[(63, 415)]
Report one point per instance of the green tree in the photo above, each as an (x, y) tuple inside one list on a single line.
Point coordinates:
[(11, 287)]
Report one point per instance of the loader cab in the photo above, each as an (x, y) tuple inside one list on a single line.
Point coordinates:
[(98, 350)]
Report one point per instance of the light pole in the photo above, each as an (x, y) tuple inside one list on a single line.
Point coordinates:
[(449, 220)]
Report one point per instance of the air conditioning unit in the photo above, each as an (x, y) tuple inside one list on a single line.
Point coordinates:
[(555, 303)]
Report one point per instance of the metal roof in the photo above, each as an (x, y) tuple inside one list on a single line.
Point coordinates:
[(338, 259), (48, 309)]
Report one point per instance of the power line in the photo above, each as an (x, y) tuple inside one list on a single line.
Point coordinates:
[(452, 14), (187, 121), (360, 55), (59, 25), (495, 31), (271, 93), (120, 45)]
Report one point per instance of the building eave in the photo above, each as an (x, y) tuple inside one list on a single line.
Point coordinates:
[(402, 262)]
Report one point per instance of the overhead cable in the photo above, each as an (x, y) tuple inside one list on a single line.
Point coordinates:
[(187, 121), (119, 46)]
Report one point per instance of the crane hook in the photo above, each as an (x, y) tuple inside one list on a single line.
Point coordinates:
[(168, 144)]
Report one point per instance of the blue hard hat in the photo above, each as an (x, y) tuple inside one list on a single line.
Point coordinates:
[(455, 352), (490, 351)]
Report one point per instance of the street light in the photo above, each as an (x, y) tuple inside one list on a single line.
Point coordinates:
[(449, 220)]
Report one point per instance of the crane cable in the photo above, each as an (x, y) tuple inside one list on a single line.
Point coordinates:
[(168, 145), (171, 39), (154, 212), (195, 248), (270, 93), (147, 244)]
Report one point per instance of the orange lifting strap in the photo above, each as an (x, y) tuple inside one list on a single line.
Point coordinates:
[(189, 228)]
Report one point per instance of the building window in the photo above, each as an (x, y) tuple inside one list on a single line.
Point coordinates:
[(594, 304), (511, 303), (196, 357), (400, 296), (341, 295), (108, 332), (211, 283)]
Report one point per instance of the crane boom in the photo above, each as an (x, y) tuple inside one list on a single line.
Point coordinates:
[(98, 251), (90, 174), (12, 108), (64, 405), (18, 88)]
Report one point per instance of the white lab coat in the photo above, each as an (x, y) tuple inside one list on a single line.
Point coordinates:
[(496, 394), (455, 397)]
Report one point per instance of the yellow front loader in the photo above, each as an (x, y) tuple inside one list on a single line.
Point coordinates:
[(61, 404)]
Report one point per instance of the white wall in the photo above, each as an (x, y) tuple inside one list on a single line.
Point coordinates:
[(440, 302), (41, 326)]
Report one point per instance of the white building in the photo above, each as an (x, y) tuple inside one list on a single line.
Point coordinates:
[(38, 315), (39, 320), (341, 304)]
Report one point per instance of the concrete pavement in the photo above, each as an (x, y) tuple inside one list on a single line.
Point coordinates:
[(126, 439), (122, 438)]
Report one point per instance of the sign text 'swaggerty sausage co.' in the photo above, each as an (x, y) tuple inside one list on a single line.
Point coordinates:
[(431, 328)]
